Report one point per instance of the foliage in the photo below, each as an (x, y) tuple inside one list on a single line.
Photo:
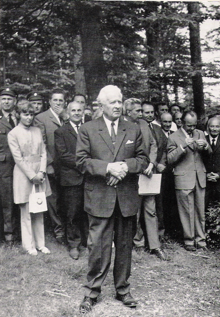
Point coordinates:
[(38, 45), (213, 224)]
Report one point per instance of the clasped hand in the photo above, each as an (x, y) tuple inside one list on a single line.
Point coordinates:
[(39, 178), (212, 177), (117, 171), (201, 143), (189, 141)]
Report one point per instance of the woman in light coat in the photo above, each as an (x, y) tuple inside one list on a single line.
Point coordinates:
[(28, 150)]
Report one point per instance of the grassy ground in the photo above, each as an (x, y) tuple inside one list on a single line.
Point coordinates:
[(52, 285)]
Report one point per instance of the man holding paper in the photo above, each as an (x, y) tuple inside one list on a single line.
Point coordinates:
[(133, 108)]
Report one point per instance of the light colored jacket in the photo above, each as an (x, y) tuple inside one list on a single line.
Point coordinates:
[(28, 150), (188, 163)]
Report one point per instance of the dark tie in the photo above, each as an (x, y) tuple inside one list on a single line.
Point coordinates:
[(213, 144), (10, 120), (113, 135)]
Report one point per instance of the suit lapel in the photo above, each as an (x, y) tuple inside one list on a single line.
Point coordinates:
[(53, 119), (103, 131), (71, 130), (217, 144), (120, 136)]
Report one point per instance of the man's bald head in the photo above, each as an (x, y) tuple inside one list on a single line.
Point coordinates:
[(166, 121)]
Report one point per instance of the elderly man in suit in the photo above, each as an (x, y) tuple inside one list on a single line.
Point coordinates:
[(48, 122), (134, 114), (71, 179), (7, 122), (212, 161), (110, 153), (185, 149)]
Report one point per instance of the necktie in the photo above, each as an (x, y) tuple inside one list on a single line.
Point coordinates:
[(10, 120), (77, 127), (113, 135), (213, 144)]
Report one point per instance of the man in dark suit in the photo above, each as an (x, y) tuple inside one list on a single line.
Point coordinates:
[(110, 153), (134, 114), (71, 179), (185, 149), (7, 122), (212, 161), (48, 122), (160, 164), (168, 197)]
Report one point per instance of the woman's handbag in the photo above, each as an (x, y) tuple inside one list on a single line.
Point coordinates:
[(37, 201)]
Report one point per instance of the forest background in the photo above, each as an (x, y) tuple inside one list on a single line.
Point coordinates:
[(150, 49)]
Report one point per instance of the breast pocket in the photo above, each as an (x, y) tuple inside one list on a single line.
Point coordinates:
[(129, 149)]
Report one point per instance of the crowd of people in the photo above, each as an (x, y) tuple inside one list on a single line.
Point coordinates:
[(87, 162)]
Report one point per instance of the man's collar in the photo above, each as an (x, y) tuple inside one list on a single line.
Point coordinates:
[(184, 131), (5, 113), (75, 124), (213, 137), (107, 121)]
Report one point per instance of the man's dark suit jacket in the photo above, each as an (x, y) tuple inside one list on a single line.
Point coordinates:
[(212, 161), (6, 177), (161, 143), (65, 145), (47, 122), (94, 151), (6, 158)]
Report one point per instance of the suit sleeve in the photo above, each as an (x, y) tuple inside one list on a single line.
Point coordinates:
[(84, 161), (153, 149), (19, 160), (66, 158), (43, 162), (140, 161), (38, 123), (174, 151)]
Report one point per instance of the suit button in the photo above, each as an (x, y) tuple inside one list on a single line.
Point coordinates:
[(115, 186)]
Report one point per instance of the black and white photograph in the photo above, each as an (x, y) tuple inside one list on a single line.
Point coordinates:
[(109, 158)]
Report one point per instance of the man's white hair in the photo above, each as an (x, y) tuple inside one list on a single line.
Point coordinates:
[(106, 91), (74, 103)]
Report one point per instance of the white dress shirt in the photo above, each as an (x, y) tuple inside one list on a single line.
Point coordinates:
[(13, 116), (74, 125), (109, 126)]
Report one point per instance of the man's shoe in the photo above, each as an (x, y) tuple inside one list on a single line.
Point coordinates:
[(86, 305), (74, 253), (127, 300), (160, 254), (190, 248)]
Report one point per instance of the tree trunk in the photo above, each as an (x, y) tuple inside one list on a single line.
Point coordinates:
[(196, 61), (80, 84), (152, 31), (92, 52)]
